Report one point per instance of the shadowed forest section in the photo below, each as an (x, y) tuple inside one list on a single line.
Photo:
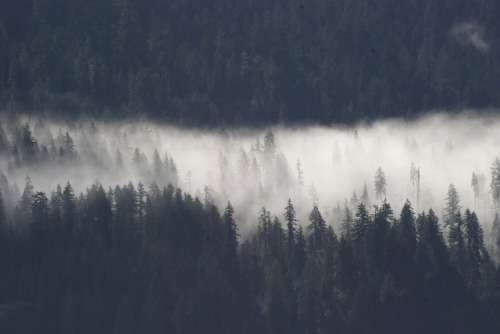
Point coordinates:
[(216, 62), (132, 260)]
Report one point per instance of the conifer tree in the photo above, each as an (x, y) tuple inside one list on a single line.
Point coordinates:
[(300, 256), (360, 228), (475, 187), (475, 248), (495, 231), (346, 225), (452, 206), (264, 234), (457, 245), (495, 183), (29, 145), (314, 195), (40, 212), (68, 210), (290, 219), (380, 184), (23, 210), (365, 198), (300, 178), (405, 242), (317, 228), (158, 169), (230, 256)]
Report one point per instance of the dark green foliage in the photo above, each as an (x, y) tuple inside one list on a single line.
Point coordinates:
[(405, 240), (215, 62), (457, 244), (230, 248), (68, 208), (360, 230), (291, 230), (128, 261), (346, 226), (317, 230)]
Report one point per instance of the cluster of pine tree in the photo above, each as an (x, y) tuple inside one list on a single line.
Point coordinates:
[(131, 260), (224, 62)]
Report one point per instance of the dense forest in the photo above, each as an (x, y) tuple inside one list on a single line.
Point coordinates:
[(148, 257), (213, 62), (160, 261), (161, 171)]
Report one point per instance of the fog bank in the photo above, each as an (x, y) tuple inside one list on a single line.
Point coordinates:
[(243, 165)]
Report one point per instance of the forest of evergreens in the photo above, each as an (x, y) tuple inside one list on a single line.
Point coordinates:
[(213, 62), (236, 241), (148, 258), (132, 260)]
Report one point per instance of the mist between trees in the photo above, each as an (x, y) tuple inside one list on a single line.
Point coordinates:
[(385, 215), (312, 166)]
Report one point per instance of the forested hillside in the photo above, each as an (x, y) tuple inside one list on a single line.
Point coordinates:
[(137, 261), (162, 169), (144, 256), (213, 62)]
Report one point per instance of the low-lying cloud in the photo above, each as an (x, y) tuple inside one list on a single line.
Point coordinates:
[(236, 164)]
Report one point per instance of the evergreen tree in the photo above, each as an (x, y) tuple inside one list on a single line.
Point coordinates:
[(56, 208), (69, 147), (346, 225), (452, 206), (157, 167), (380, 184), (29, 145), (264, 234), (68, 211), (317, 228), (141, 210), (300, 178), (39, 214), (496, 238), (456, 241), (360, 229), (365, 198), (300, 256), (172, 172), (230, 256), (314, 195), (495, 183), (432, 254), (23, 210), (377, 243), (475, 186), (475, 248), (290, 218), (405, 234), (269, 148)]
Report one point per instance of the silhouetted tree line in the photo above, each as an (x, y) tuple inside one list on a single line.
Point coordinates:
[(215, 62), (131, 260)]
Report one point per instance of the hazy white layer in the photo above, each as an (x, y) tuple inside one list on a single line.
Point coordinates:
[(337, 161)]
